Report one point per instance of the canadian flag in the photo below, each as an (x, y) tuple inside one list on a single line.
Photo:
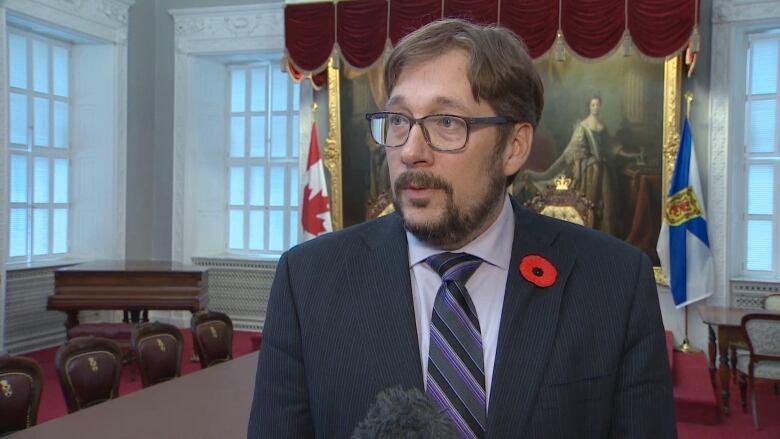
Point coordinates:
[(316, 205)]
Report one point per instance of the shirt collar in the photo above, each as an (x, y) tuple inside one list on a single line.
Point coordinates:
[(493, 246)]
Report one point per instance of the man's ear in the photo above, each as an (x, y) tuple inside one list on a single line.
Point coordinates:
[(518, 148)]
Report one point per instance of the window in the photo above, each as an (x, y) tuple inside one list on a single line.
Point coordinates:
[(38, 147), (262, 164), (761, 221)]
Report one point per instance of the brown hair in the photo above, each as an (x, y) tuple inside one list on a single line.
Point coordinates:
[(499, 69)]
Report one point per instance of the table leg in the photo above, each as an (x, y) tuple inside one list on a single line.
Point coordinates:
[(194, 358), (725, 372), (73, 319), (713, 355)]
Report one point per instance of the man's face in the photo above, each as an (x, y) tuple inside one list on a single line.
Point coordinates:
[(448, 199)]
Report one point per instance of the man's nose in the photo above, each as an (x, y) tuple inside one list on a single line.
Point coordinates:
[(416, 152)]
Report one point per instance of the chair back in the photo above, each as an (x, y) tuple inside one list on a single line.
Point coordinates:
[(157, 347), (21, 381), (772, 302), (212, 335), (763, 334), (88, 369), (564, 203)]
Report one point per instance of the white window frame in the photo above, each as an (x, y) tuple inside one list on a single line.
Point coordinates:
[(206, 37), (747, 159), (31, 151), (99, 32), (290, 162)]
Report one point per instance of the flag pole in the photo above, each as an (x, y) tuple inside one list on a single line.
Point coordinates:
[(685, 346)]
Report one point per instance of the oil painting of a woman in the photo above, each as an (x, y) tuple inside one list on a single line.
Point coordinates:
[(587, 160), (602, 128)]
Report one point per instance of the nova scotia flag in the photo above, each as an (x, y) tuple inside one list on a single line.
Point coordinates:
[(683, 244)]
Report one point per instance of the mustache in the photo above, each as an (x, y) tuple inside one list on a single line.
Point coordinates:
[(421, 179)]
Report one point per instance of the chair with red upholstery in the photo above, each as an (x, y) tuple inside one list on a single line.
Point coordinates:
[(212, 336), (119, 333), (21, 381), (157, 347), (88, 369)]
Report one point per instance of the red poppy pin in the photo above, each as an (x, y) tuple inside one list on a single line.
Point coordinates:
[(538, 270)]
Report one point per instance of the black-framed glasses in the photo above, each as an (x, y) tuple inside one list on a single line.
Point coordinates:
[(442, 132)]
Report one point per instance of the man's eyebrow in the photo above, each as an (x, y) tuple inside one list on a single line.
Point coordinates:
[(395, 101), (444, 101), (439, 101)]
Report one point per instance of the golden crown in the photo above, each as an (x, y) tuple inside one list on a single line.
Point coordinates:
[(562, 183)]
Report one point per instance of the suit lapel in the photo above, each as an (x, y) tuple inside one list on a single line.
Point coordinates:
[(527, 331), (381, 286)]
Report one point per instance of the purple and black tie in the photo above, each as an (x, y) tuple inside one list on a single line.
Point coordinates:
[(456, 369)]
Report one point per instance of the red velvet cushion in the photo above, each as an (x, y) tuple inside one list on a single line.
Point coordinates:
[(114, 331), (91, 377), (160, 354), (16, 392), (216, 341)]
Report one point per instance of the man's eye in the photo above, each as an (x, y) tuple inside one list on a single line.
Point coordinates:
[(447, 122), (396, 120)]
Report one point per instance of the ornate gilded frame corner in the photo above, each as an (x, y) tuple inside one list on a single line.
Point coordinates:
[(671, 117), (671, 133), (332, 152)]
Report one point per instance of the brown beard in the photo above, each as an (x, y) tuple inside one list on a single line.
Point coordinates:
[(456, 225)]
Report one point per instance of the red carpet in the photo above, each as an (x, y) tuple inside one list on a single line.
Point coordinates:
[(739, 424), (698, 406), (694, 398), (53, 404)]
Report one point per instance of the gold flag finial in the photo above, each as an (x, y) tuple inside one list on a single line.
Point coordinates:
[(688, 102)]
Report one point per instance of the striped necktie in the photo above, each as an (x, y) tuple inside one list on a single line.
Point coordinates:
[(456, 369)]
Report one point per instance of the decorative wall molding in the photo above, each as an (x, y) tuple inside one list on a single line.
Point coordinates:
[(726, 11), (201, 32), (229, 29), (105, 19), (718, 184)]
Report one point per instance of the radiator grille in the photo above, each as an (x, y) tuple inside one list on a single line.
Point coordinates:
[(239, 289), (750, 294), (29, 326)]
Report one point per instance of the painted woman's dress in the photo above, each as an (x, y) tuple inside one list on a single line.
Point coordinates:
[(586, 161)]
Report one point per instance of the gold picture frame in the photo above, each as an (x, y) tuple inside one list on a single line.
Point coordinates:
[(672, 84)]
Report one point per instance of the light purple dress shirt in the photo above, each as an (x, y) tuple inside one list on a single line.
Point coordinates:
[(486, 287)]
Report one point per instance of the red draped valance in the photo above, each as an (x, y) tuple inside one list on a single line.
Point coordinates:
[(589, 28)]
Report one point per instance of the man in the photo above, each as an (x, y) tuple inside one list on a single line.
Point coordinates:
[(515, 324)]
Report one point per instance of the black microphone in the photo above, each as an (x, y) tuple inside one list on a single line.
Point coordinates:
[(406, 414)]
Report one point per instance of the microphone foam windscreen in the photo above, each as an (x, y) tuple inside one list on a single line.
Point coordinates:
[(405, 414)]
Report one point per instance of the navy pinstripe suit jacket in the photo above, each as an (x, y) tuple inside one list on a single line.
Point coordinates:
[(583, 358)]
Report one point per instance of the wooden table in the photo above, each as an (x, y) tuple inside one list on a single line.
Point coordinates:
[(128, 285), (729, 330), (210, 403)]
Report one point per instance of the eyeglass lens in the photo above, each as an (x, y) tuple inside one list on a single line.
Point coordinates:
[(442, 131)]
